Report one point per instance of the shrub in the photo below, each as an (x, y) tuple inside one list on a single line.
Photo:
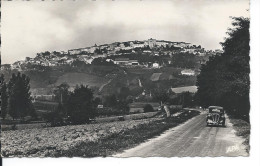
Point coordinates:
[(54, 118), (148, 108), (80, 105)]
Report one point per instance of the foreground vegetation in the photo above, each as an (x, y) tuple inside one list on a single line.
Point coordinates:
[(224, 80), (103, 139), (242, 129), (119, 141)]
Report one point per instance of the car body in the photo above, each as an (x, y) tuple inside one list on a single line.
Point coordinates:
[(216, 116)]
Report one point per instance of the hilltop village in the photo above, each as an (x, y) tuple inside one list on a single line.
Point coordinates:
[(156, 53)]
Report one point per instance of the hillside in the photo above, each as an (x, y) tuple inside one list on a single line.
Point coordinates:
[(74, 79)]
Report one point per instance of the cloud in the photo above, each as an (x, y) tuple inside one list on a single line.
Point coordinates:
[(31, 27)]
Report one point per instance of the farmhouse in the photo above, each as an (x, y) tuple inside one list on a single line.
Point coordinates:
[(156, 65), (188, 72), (121, 61), (191, 89), (126, 62), (133, 62)]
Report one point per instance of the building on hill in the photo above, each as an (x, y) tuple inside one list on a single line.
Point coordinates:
[(191, 89), (161, 43), (152, 42), (121, 61), (156, 53), (126, 62), (181, 44), (156, 65), (5, 67), (74, 51), (188, 72), (133, 62)]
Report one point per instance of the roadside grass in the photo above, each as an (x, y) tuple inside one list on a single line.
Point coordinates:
[(242, 129), (118, 142)]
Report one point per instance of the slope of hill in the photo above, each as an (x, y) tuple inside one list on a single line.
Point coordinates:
[(74, 79)]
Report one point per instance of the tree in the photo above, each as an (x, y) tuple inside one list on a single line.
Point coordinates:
[(148, 108), (97, 101), (184, 60), (56, 117), (224, 79), (161, 95), (78, 63), (122, 105), (61, 93), (124, 92), (187, 99), (4, 97), (111, 100), (80, 105), (102, 61), (19, 102)]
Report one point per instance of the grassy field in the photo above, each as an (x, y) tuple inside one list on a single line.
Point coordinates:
[(90, 140), (52, 140)]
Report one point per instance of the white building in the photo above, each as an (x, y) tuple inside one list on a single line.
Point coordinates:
[(133, 62), (121, 61), (151, 42), (161, 43), (191, 89), (188, 72), (156, 65)]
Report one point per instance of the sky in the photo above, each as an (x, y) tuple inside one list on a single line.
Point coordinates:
[(30, 27)]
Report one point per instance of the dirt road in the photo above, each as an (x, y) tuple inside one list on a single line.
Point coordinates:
[(192, 138)]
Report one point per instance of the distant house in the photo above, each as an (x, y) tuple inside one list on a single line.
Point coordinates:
[(43, 97), (121, 61), (156, 53), (5, 67), (133, 62), (109, 60), (126, 62), (74, 51), (188, 72), (100, 106), (138, 107), (191, 89), (151, 42), (155, 65)]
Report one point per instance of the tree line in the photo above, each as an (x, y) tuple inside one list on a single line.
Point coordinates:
[(224, 79), (16, 98)]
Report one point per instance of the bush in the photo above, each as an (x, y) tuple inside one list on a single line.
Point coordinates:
[(148, 108), (80, 105), (54, 118)]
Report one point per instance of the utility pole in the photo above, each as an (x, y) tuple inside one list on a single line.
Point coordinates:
[(61, 99)]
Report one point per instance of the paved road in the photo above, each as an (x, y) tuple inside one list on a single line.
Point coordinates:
[(192, 138)]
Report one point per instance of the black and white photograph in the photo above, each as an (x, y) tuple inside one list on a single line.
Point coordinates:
[(125, 78)]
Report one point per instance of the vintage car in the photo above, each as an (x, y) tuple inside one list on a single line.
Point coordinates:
[(216, 116)]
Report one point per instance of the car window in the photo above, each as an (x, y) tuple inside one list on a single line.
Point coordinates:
[(216, 110)]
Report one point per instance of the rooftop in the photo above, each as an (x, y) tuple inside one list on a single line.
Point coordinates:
[(191, 89)]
